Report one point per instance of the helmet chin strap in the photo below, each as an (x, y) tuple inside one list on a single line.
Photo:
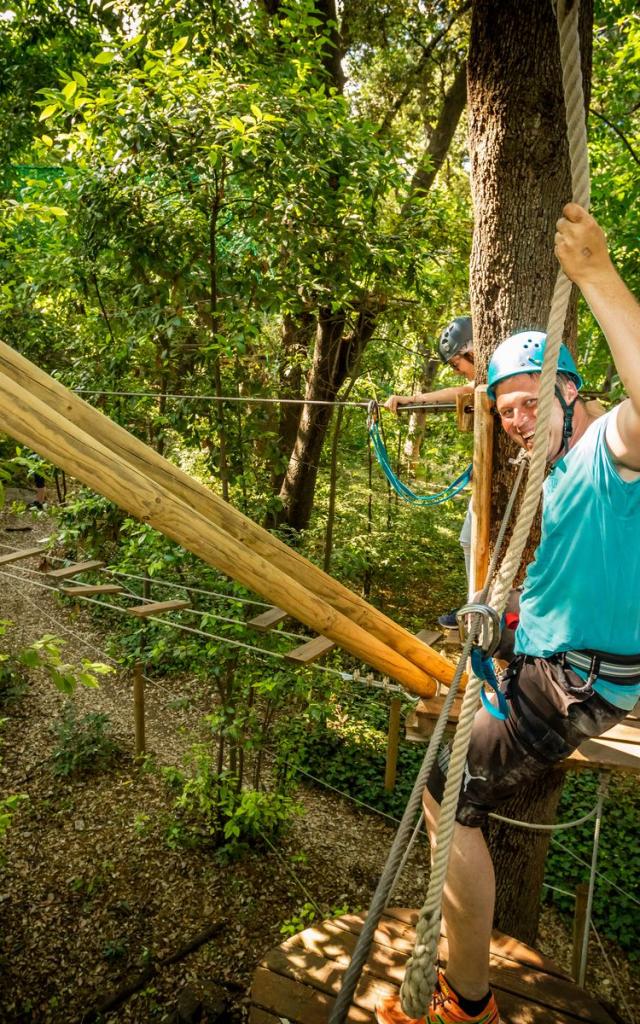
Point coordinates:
[(567, 423)]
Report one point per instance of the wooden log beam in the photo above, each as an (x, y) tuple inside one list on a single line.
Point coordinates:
[(32, 422), (139, 456)]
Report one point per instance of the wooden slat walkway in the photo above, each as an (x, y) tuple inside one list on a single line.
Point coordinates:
[(72, 570), (143, 611), (267, 620), (310, 651), (616, 750), (297, 982), (17, 556)]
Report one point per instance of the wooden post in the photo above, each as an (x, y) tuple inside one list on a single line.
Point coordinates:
[(393, 742), (198, 499), (464, 414), (138, 710), (580, 923), (481, 502), (127, 483)]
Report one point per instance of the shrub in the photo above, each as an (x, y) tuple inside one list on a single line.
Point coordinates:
[(211, 807), (84, 742)]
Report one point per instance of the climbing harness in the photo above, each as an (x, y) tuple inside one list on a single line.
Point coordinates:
[(379, 447), (486, 644)]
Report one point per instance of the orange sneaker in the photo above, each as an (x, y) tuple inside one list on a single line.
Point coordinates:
[(444, 1009)]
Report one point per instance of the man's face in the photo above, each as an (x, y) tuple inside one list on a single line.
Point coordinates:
[(517, 405), (463, 365)]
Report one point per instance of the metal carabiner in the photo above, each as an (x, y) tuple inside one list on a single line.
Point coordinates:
[(488, 639), (373, 413)]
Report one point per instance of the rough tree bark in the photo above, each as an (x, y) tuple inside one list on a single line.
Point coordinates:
[(520, 181)]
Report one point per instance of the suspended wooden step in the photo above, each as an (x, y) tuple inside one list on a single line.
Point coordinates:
[(307, 653), (84, 589), (267, 620), (298, 981), (142, 611), (17, 556), (429, 636), (420, 721), (73, 570), (616, 750)]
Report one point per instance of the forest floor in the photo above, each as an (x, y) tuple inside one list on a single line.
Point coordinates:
[(91, 894)]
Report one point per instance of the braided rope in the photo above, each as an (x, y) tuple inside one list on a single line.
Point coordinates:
[(395, 860), (420, 977)]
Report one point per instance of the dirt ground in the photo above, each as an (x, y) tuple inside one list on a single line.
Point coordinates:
[(90, 892)]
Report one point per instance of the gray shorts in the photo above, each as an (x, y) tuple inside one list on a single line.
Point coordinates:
[(551, 712)]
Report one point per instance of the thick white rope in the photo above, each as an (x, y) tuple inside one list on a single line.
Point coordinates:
[(420, 977)]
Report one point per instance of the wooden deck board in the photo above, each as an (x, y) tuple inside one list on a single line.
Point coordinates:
[(299, 980)]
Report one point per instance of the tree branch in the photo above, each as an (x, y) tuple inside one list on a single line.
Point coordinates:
[(620, 134), (420, 66)]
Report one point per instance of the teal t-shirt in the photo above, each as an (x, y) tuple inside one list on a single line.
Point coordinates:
[(582, 591)]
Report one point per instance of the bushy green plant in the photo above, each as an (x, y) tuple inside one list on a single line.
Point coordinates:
[(84, 742), (211, 807), (618, 859)]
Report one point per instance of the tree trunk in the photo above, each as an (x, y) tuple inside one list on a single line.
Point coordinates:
[(519, 856), (417, 420), (296, 342), (520, 181), (334, 356)]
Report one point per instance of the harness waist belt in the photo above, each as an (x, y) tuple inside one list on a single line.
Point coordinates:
[(621, 669)]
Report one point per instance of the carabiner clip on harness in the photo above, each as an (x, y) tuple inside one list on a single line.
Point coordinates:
[(482, 654)]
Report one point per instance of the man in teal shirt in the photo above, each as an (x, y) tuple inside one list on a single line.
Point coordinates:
[(577, 666)]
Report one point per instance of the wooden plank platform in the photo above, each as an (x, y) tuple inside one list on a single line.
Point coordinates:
[(297, 982), (616, 750), (307, 653), (267, 620), (17, 556), (72, 570), (82, 589), (142, 611)]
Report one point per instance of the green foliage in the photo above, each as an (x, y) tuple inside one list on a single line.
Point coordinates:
[(84, 743), (308, 913), (615, 913), (212, 808), (45, 654), (8, 807)]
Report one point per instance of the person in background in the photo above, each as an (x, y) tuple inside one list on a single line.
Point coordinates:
[(455, 348)]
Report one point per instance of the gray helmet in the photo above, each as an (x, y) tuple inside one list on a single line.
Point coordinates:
[(456, 338)]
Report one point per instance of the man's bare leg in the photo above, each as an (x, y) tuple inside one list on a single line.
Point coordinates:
[(469, 897)]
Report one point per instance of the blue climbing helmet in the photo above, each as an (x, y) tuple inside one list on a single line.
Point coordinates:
[(456, 339), (523, 353)]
